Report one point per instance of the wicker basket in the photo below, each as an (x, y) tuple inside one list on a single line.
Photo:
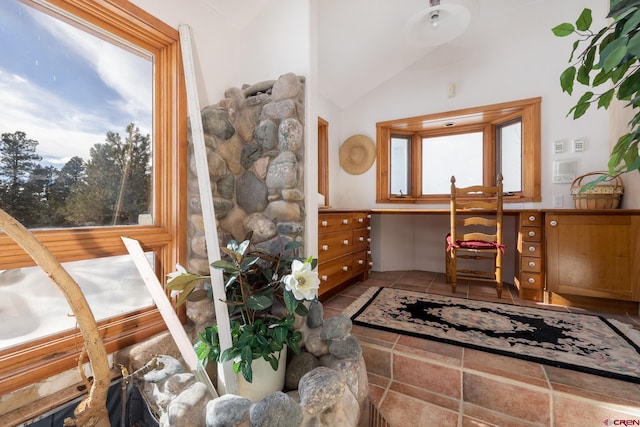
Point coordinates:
[(604, 195)]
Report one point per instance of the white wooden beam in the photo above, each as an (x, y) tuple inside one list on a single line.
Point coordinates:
[(226, 375)]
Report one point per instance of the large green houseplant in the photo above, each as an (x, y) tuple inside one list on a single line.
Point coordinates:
[(263, 292), (608, 60)]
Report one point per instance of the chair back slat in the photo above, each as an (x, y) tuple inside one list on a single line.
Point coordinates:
[(478, 236)]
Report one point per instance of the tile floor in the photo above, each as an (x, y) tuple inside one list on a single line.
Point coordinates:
[(417, 382)]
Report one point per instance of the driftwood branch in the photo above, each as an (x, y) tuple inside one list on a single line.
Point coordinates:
[(92, 410)]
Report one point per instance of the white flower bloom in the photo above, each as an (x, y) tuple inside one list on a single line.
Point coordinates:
[(302, 282), (179, 271)]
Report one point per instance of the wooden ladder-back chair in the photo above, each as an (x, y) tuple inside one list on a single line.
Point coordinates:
[(476, 234)]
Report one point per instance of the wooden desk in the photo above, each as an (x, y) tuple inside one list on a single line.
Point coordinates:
[(572, 257)]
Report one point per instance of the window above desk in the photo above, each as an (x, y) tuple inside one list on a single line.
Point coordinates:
[(417, 156)]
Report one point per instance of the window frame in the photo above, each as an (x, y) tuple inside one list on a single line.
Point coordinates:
[(484, 119), (36, 360)]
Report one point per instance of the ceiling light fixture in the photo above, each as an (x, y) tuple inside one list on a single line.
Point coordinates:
[(437, 24)]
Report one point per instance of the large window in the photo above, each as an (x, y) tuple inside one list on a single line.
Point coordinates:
[(417, 156), (93, 140)]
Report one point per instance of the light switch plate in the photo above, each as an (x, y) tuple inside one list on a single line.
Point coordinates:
[(578, 145), (558, 147)]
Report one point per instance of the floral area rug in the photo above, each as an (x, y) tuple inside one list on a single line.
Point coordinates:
[(581, 342)]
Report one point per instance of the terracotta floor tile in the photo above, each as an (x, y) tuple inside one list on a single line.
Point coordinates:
[(377, 359), (532, 405), (403, 411), (568, 412), (429, 376), (508, 367), (594, 387), (426, 395), (476, 416), (433, 350), (374, 336)]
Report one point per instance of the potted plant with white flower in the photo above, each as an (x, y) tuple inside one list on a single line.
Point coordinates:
[(263, 292)]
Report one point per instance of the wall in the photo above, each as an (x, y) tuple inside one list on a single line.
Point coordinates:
[(525, 63)]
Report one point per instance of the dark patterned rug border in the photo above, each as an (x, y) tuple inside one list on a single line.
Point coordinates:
[(535, 359)]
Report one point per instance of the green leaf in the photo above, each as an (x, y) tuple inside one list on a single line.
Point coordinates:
[(620, 8), (634, 45), (589, 58), (631, 24), (584, 20), (573, 51), (259, 302), (225, 265), (601, 77), (563, 29), (605, 99), (583, 75), (613, 54), (567, 78), (619, 73), (629, 86), (290, 301)]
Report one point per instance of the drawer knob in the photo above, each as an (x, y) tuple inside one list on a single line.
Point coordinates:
[(369, 228), (532, 218), (369, 239), (324, 278), (361, 261), (345, 268), (532, 264), (325, 247), (345, 221), (553, 223), (532, 233), (360, 220), (345, 242), (324, 223), (532, 280), (361, 238), (368, 252), (532, 248)]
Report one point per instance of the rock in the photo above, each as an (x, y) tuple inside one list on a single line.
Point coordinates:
[(267, 134), (251, 152), (336, 327), (283, 171), (280, 210), (263, 228), (215, 121), (187, 410), (287, 86), (315, 318), (276, 410), (297, 367), (227, 411), (290, 133), (345, 348), (279, 110), (170, 366), (315, 344), (320, 389), (251, 193)]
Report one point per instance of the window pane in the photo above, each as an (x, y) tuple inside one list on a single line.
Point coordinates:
[(400, 165), (75, 146), (510, 152), (443, 156), (33, 307)]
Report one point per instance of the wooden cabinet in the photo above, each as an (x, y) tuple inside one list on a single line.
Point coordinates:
[(593, 254), (530, 269), (343, 249)]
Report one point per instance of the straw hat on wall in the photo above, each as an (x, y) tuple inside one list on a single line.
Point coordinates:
[(357, 154)]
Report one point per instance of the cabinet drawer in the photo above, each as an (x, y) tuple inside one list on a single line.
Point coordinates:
[(360, 262), (531, 234), (531, 249), (360, 239), (334, 272), (528, 219), (531, 264), (333, 245), (338, 221), (531, 280)]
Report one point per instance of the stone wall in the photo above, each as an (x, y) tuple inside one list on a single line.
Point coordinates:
[(254, 140)]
